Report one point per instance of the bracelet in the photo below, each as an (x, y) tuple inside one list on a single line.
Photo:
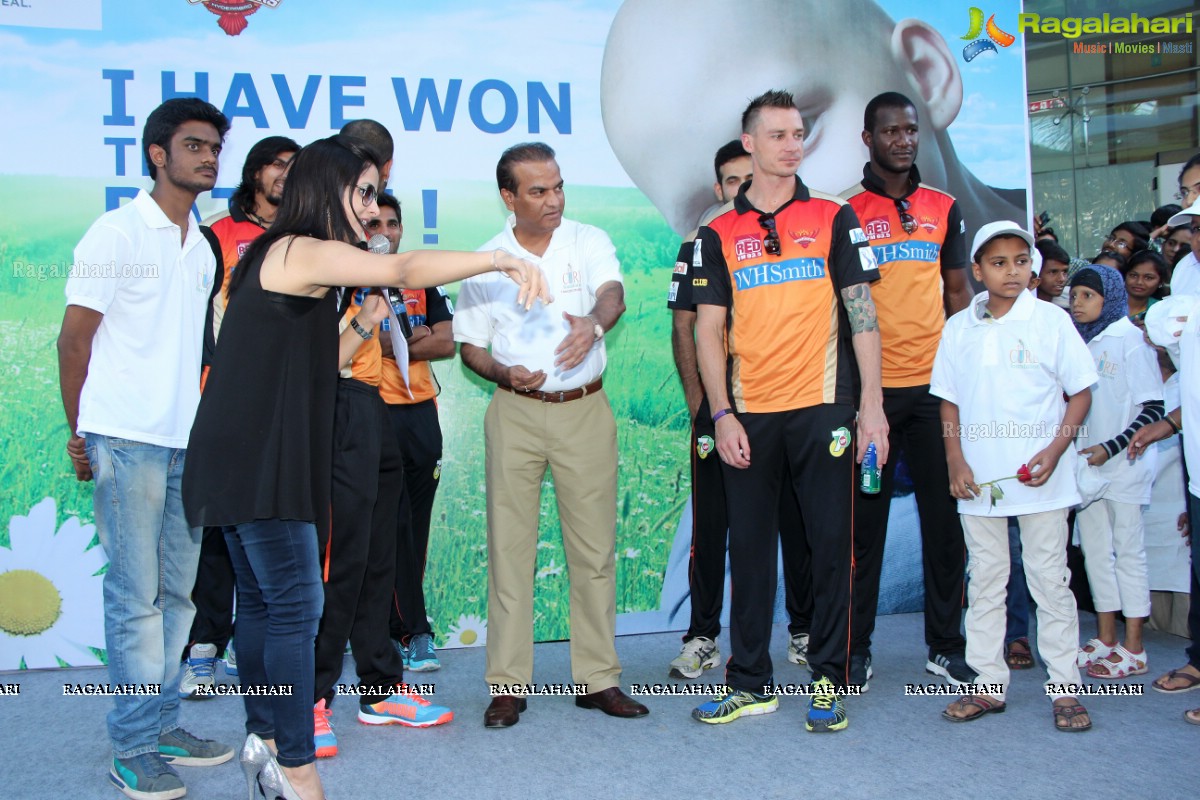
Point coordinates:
[(721, 413), (494, 266), (360, 330), (1174, 425)]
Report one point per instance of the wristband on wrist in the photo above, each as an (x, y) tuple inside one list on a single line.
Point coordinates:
[(494, 265), (721, 413), (1174, 425), (360, 330)]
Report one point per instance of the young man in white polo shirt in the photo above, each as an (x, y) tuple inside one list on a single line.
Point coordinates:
[(129, 369), (1001, 370)]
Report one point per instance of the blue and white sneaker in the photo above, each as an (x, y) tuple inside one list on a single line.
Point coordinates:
[(404, 708), (734, 703), (146, 777), (421, 657), (230, 661), (825, 710), (198, 671)]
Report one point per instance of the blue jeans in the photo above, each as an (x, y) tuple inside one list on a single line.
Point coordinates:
[(152, 560), (279, 602), (1017, 618)]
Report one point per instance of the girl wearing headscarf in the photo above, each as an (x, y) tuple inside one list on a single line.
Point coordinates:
[(1127, 396)]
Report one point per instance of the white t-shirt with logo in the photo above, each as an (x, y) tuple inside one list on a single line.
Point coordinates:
[(1129, 376), (578, 261), (143, 380), (1007, 376)]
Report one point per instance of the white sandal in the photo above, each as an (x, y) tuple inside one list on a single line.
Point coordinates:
[(1127, 664), (1099, 650)]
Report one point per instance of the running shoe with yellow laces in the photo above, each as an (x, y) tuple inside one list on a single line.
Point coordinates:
[(826, 712), (731, 703)]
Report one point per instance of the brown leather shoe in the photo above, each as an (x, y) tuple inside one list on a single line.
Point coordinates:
[(504, 711), (614, 702)]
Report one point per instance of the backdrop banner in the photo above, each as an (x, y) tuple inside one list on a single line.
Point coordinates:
[(636, 97)]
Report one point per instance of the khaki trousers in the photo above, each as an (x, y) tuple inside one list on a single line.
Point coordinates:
[(1044, 553), (578, 441)]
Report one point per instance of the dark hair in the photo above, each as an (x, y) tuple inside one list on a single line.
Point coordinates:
[(1052, 251), (1114, 256), (520, 154), (166, 119), (885, 100), (1194, 161), (1160, 266), (772, 99), (1135, 229), (374, 134), (996, 238), (319, 176), (261, 154), (1048, 233), (389, 200), (1164, 213), (728, 152)]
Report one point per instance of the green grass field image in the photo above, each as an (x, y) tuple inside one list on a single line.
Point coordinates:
[(41, 220)]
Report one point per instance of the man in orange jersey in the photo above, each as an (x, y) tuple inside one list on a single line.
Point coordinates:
[(919, 238), (788, 348), (428, 317)]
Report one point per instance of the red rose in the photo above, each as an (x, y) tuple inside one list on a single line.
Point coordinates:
[(1024, 475)]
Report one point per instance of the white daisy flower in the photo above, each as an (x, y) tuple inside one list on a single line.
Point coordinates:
[(549, 569), (51, 600), (632, 552), (469, 631)]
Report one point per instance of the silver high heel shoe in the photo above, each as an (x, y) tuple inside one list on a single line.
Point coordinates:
[(255, 755), (274, 784)]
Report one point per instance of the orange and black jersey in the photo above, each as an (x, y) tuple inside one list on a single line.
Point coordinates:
[(679, 294), (787, 334), (422, 307), (908, 296)]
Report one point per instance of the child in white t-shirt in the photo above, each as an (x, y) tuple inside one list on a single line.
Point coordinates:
[(1127, 396), (1001, 369)]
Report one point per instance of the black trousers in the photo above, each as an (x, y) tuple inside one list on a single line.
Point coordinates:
[(823, 481), (916, 429), (213, 594), (710, 529), (420, 440), (358, 557)]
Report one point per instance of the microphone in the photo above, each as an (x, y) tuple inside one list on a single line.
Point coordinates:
[(379, 244)]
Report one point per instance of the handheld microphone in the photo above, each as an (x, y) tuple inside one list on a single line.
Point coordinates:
[(380, 245)]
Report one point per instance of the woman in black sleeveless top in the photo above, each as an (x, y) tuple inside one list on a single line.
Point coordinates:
[(260, 451)]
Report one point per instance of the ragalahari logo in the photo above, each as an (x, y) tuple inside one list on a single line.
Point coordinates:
[(231, 14), (979, 45)]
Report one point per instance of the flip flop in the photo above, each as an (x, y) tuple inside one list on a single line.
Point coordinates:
[(984, 704), (1016, 659), (1068, 713), (1192, 682)]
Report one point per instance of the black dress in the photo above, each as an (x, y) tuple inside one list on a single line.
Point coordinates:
[(261, 446)]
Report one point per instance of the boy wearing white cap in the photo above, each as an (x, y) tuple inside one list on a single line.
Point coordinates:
[(1001, 370)]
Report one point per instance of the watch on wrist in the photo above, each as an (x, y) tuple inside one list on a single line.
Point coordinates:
[(360, 330), (597, 329)]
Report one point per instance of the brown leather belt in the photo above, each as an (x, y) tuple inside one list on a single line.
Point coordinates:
[(558, 397)]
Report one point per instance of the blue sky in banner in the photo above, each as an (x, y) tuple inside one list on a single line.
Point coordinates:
[(516, 57)]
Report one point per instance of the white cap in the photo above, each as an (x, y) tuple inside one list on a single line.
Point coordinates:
[(1183, 217), (994, 229), (1034, 255)]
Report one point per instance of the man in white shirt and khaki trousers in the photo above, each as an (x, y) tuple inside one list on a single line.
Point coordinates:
[(550, 410)]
